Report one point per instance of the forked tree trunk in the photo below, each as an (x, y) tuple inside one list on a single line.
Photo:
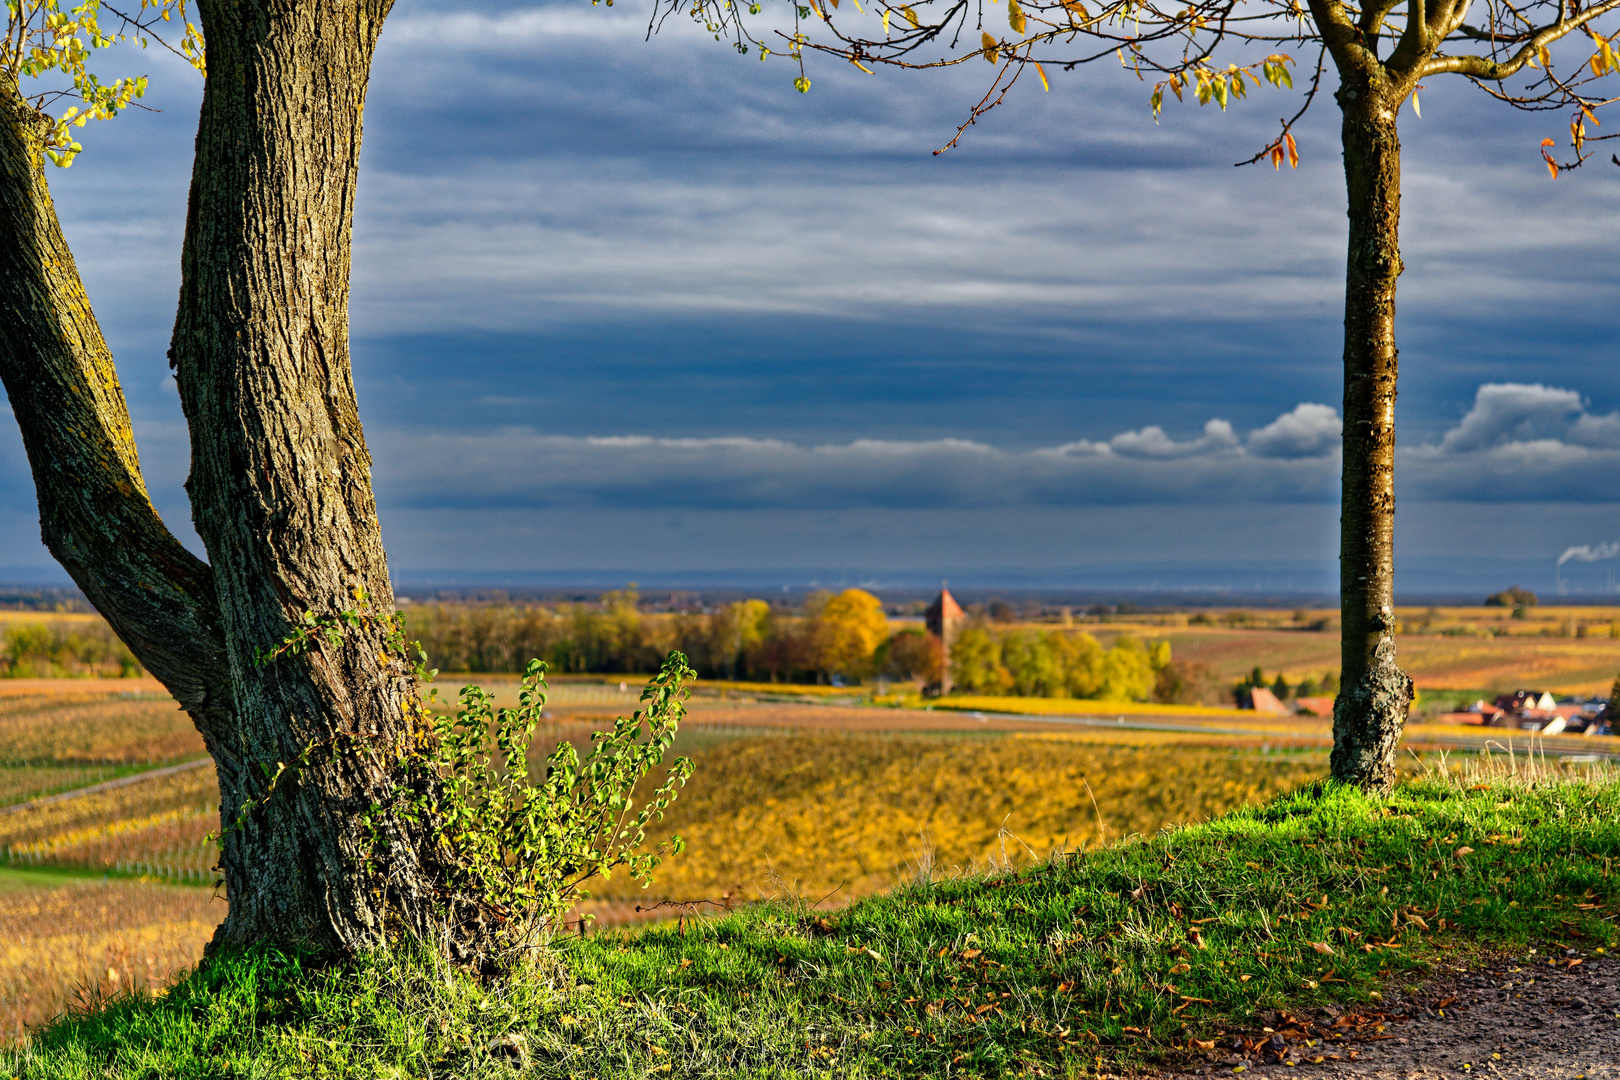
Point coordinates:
[(307, 745), (280, 480), (1374, 694)]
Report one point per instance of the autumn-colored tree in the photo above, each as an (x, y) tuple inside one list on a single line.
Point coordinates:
[(848, 628), (1217, 51), (976, 666), (912, 653), (1059, 664), (741, 627)]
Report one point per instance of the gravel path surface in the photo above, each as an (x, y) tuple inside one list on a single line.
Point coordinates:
[(1517, 1018)]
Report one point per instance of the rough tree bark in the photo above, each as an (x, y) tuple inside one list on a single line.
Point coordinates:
[(1370, 713), (280, 483), (95, 516)]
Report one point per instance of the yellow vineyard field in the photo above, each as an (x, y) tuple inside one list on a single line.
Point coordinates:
[(140, 728), (817, 799), (157, 828), (848, 815), (73, 944)]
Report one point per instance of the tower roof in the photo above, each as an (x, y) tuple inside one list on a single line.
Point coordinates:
[(943, 613)]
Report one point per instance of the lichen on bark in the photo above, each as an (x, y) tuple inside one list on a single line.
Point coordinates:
[(1368, 719)]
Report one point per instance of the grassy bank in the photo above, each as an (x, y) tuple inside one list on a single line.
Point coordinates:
[(1108, 957)]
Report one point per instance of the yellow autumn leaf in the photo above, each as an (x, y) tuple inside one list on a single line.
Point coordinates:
[(1015, 17), (989, 44)]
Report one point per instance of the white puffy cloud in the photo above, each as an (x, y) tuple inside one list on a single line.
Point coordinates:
[(1309, 431), (1520, 442), (1506, 413), (1597, 431), (1152, 442), (522, 466)]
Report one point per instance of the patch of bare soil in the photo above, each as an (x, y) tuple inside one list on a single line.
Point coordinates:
[(1516, 1018)]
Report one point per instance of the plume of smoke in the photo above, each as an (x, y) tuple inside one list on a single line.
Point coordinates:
[(1589, 553)]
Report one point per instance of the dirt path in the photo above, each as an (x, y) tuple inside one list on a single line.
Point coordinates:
[(1519, 1019), (105, 785)]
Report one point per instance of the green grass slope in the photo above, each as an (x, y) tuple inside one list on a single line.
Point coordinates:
[(1100, 959)]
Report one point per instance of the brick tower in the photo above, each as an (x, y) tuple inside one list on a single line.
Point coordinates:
[(942, 618)]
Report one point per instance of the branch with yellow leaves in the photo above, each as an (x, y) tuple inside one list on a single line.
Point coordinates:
[(42, 40), (1176, 47)]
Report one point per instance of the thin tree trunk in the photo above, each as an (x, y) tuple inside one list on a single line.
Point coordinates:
[(1374, 695), (280, 482), (95, 516)]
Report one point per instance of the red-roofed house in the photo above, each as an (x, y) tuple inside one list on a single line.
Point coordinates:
[(1263, 700)]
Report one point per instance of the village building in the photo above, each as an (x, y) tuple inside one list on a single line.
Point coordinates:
[(943, 618), (1262, 699), (1538, 711)]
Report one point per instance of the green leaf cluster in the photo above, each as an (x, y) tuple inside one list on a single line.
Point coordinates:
[(517, 846), (45, 40), (526, 845)]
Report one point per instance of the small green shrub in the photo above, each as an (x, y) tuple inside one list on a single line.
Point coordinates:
[(511, 845), (527, 844)]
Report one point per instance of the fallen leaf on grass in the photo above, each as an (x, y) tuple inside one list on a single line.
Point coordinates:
[(1322, 947)]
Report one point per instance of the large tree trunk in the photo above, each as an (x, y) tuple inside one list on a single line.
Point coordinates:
[(1374, 695), (95, 516), (280, 481), (310, 744)]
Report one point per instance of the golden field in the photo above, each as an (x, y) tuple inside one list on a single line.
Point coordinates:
[(815, 798), (850, 814), (154, 828), (72, 944), (128, 727)]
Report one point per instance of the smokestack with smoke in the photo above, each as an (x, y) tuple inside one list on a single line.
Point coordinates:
[(1588, 553)]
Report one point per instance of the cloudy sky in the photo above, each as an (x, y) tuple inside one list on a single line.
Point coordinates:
[(630, 308)]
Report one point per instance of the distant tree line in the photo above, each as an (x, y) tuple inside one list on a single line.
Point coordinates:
[(1310, 686), (842, 637), (1056, 663), (58, 649)]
